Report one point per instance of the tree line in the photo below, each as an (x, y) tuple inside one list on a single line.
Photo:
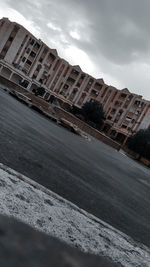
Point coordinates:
[(91, 112), (140, 143)]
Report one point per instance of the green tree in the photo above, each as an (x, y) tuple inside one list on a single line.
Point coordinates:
[(140, 142), (93, 112)]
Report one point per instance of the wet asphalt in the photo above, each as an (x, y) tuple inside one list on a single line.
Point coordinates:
[(92, 175)]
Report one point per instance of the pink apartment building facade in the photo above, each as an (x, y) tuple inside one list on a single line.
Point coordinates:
[(27, 61)]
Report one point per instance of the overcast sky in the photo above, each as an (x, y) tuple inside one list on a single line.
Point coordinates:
[(109, 39)]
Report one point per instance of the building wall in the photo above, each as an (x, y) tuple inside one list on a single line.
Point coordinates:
[(14, 46), (126, 113), (5, 29), (145, 122)]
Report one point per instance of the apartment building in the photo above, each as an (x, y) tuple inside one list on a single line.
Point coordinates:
[(27, 61), (126, 114)]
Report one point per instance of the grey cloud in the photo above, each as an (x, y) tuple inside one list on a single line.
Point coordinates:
[(114, 33), (118, 29)]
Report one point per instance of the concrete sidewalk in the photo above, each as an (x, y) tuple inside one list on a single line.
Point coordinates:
[(39, 207)]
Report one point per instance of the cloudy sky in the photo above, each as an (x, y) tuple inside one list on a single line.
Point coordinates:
[(109, 39)]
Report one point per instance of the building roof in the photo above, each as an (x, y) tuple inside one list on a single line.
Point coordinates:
[(100, 80), (54, 51), (77, 67)]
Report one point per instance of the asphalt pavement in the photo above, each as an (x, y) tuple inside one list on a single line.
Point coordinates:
[(92, 175)]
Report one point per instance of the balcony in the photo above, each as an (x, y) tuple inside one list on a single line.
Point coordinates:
[(98, 86), (94, 93), (122, 96), (47, 63), (70, 81), (118, 103), (74, 74)]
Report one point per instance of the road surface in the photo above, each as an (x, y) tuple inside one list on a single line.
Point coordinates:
[(92, 175)]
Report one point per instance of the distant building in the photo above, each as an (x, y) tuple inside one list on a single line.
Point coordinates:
[(29, 62), (125, 115)]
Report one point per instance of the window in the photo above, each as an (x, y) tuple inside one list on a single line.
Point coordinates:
[(62, 93), (70, 80), (94, 92), (45, 73), (52, 56), (32, 54), (124, 126), (16, 29), (123, 95), (128, 118), (36, 46), (73, 94), (34, 76), (83, 95), (41, 80), (28, 62), (38, 68), (28, 50), (119, 103), (109, 117), (10, 39), (32, 42), (75, 91), (113, 110), (82, 76), (98, 85), (6, 47), (137, 103), (2, 23), (41, 59), (120, 112), (91, 81), (75, 72), (47, 96), (25, 84), (78, 84), (66, 86), (25, 71), (4, 51), (23, 60), (47, 63)]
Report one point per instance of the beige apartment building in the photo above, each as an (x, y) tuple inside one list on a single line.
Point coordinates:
[(27, 61), (126, 114)]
